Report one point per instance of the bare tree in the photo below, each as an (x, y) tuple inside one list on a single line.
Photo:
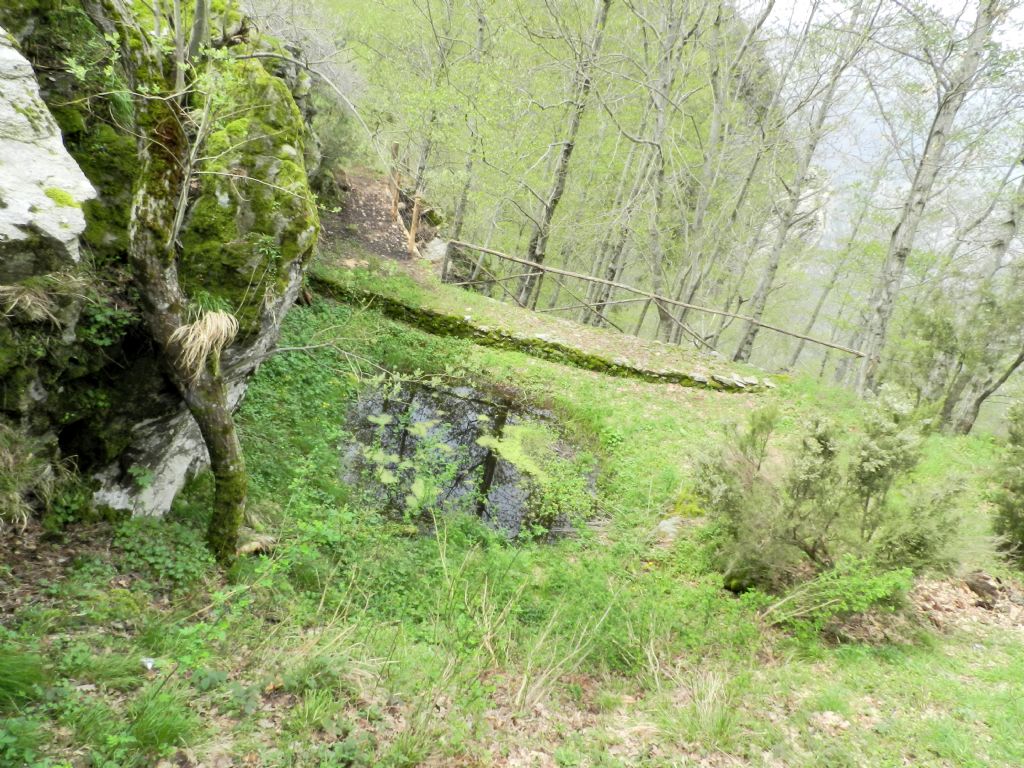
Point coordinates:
[(586, 52), (953, 88), (851, 40)]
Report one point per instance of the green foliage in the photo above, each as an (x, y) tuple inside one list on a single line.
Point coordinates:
[(21, 742), (114, 671), (559, 488), (378, 644), (780, 519), (853, 585), (160, 718), (155, 722), (1008, 498), (171, 554), (103, 323), (245, 230), (71, 502)]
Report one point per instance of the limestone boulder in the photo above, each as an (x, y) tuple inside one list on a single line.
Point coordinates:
[(42, 189)]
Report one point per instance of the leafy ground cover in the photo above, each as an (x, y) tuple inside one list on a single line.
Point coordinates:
[(356, 640)]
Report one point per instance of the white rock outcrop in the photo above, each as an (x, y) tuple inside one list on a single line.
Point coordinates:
[(41, 186)]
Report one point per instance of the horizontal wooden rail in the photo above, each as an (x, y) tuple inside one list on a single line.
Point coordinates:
[(655, 297), (585, 306)]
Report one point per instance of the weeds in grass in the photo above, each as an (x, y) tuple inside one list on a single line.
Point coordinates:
[(312, 713), (171, 554), (545, 661), (22, 676), (712, 708), (159, 718), (362, 621), (113, 671)]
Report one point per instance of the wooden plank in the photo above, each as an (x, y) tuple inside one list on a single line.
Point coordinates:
[(492, 279), (500, 284), (579, 298)]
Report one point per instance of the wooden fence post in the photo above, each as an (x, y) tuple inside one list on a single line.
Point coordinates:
[(413, 225), (395, 181)]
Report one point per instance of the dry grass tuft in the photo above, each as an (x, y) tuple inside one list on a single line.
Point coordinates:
[(206, 337), (29, 302), (24, 475), (35, 300)]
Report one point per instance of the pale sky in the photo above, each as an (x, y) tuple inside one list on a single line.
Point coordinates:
[(1012, 32)]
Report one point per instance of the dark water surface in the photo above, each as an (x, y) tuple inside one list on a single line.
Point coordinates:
[(413, 431)]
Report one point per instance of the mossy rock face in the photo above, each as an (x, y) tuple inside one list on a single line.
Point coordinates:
[(87, 382), (87, 96), (255, 216)]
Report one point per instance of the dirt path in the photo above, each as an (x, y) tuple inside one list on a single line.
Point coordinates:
[(365, 217)]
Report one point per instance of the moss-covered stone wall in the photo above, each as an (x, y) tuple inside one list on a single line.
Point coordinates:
[(442, 324)]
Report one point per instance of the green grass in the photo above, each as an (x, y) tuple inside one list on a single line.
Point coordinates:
[(22, 676), (360, 641)]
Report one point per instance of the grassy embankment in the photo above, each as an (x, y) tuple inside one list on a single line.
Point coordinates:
[(360, 642)]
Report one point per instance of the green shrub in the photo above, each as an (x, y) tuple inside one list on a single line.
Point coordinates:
[(783, 517), (852, 586), (1008, 498), (169, 553)]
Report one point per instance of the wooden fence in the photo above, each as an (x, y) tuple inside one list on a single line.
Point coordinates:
[(535, 270), (538, 272)]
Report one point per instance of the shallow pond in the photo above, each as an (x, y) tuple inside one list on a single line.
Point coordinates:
[(422, 449)]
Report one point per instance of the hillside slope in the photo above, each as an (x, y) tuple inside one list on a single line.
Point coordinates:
[(354, 638)]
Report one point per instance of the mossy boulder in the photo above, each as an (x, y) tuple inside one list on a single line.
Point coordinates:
[(254, 219), (89, 381), (41, 187)]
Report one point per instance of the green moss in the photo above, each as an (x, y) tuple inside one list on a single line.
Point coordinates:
[(255, 215), (109, 160), (62, 197), (9, 357), (35, 112), (442, 324)]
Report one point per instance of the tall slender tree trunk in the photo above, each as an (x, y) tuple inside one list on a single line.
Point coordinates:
[(582, 83), (903, 236), (163, 148), (200, 29), (968, 413), (837, 272), (207, 402), (970, 388), (792, 201)]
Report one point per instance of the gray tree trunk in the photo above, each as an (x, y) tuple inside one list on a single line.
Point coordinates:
[(582, 83), (758, 301), (929, 164), (162, 150)]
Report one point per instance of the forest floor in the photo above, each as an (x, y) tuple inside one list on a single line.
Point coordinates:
[(358, 641)]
